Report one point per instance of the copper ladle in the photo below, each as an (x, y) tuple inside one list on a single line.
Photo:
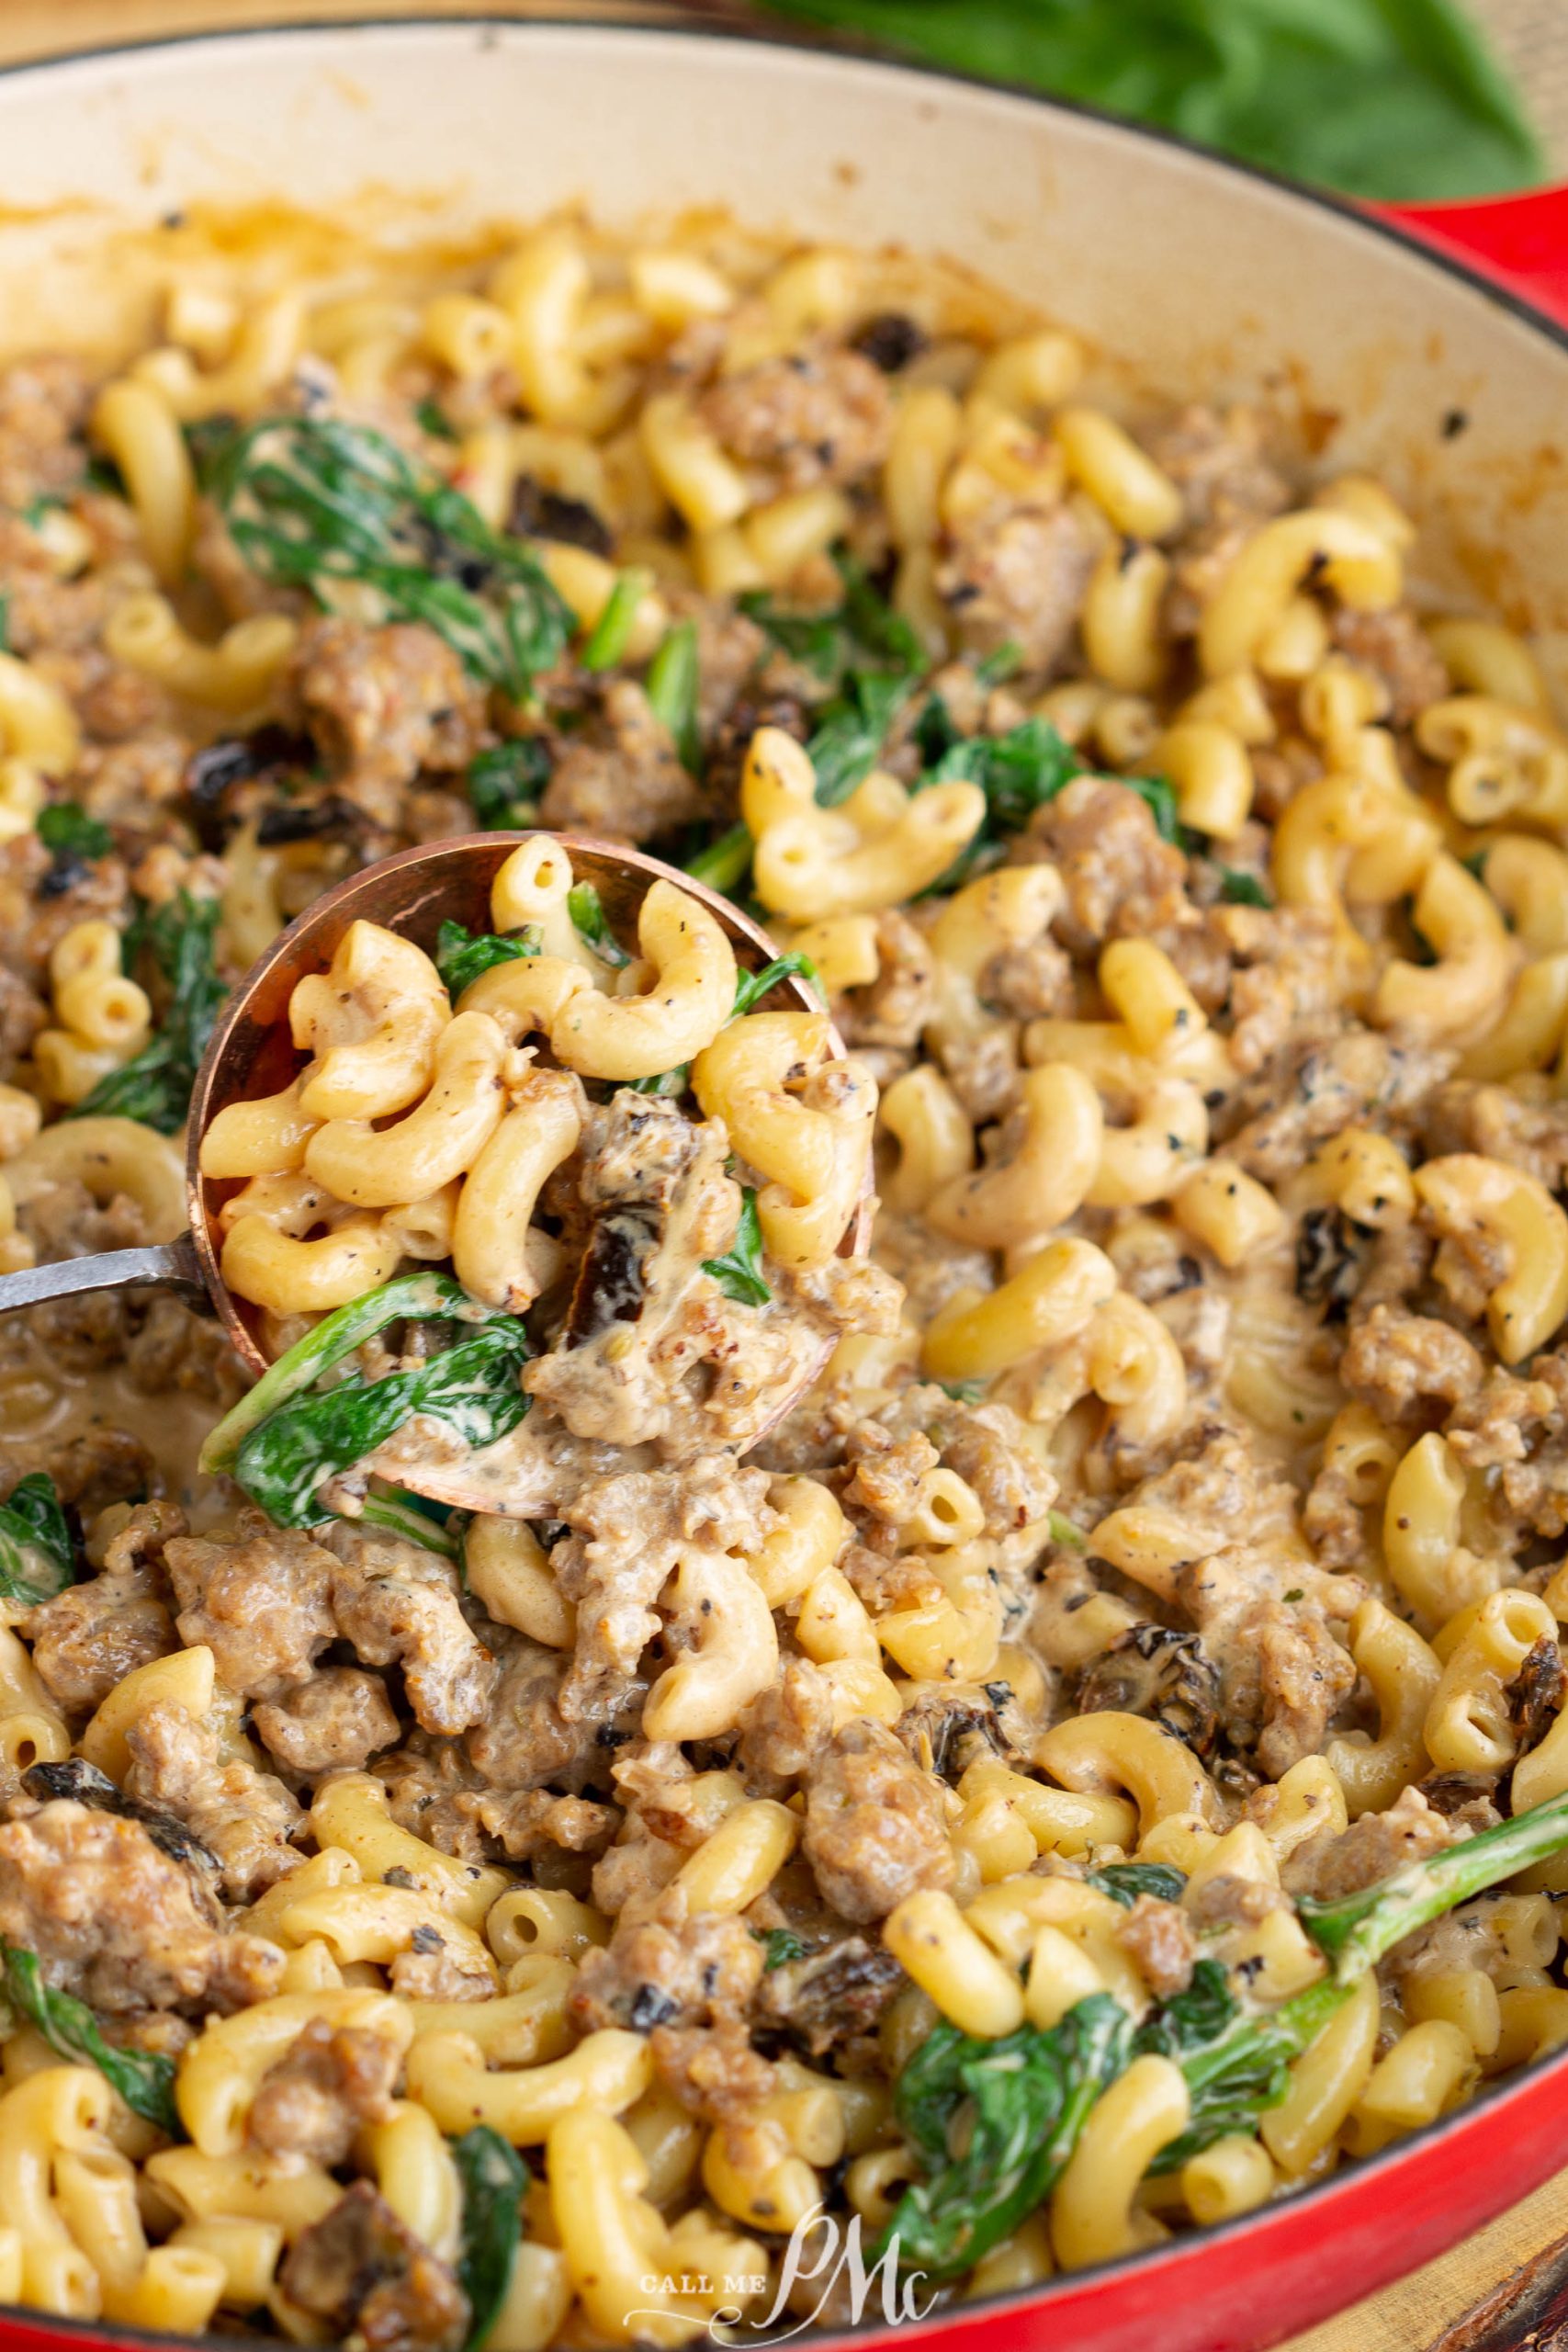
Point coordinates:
[(251, 1053)]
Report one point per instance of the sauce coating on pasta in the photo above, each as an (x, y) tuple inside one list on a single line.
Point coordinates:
[(1101, 1759)]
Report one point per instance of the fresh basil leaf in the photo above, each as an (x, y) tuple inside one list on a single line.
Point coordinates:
[(1124, 1882), (144, 2078), (472, 1388), (611, 633), (1391, 99), (750, 988), (739, 1273), (671, 686), (723, 865), (38, 1558), (316, 502), (504, 784), (462, 955), (591, 924), (1024, 2098), (154, 1086), (67, 828), (431, 418), (494, 2180), (1238, 890), (782, 1946), (847, 741)]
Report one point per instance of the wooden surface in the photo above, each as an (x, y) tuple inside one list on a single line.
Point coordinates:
[(1479, 2283)]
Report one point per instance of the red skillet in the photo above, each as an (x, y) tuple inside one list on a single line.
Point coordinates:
[(1208, 274)]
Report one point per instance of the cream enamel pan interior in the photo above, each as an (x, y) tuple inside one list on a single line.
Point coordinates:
[(1211, 276)]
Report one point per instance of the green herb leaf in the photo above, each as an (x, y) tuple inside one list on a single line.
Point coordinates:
[(863, 630), (503, 785), (471, 1388), (101, 474), (671, 686), (38, 1558), (154, 1086), (411, 1517), (1026, 2095), (1356, 1929), (1391, 98), (1238, 890), (407, 1298), (963, 1392), (145, 2079), (315, 502), (1237, 2064), (996, 668), (67, 828), (817, 640), (1066, 1530), (1158, 794), (462, 955), (208, 439), (847, 741), (739, 1273), (1124, 1882), (591, 924), (431, 418), (750, 988), (871, 657), (724, 865), (782, 1946), (611, 633), (1017, 772), (494, 2180)]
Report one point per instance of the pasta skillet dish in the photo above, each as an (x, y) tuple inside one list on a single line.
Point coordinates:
[(500, 1831)]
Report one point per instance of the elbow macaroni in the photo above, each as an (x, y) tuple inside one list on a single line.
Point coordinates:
[(1202, 1090)]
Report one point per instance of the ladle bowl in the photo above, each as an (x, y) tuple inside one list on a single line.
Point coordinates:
[(251, 1053)]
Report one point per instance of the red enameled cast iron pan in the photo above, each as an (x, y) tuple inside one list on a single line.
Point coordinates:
[(1447, 375)]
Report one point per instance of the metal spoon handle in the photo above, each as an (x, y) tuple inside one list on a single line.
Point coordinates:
[(167, 1265)]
